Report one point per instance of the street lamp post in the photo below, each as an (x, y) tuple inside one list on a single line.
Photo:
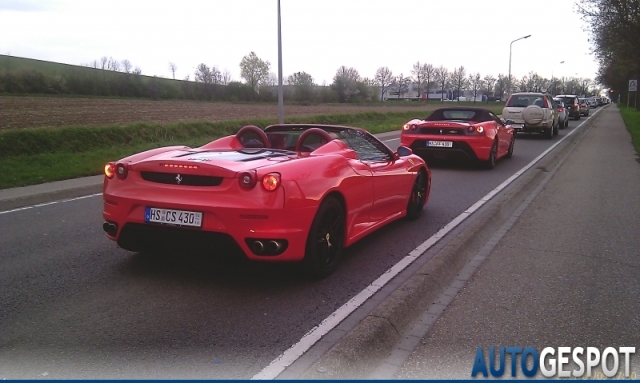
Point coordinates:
[(280, 92), (510, 45)]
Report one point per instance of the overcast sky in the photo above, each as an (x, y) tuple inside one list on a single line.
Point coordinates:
[(318, 36)]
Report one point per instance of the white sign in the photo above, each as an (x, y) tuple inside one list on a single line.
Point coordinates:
[(633, 85)]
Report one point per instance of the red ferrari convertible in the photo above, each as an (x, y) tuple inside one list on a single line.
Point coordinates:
[(286, 193), (474, 133)]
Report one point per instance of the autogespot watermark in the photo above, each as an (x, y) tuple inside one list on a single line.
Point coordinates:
[(554, 363)]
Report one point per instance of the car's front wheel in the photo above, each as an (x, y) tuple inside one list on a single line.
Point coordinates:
[(324, 242)]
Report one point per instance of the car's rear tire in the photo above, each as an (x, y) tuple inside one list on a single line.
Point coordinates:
[(493, 156), (556, 128), (579, 116), (548, 133), (418, 195), (325, 240), (511, 145)]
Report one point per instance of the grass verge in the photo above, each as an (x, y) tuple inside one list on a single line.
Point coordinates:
[(631, 117), (34, 156)]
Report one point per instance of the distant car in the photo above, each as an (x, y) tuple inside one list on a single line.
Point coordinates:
[(572, 103), (584, 106), (289, 193), (599, 101), (592, 102), (532, 112), (474, 133), (563, 114)]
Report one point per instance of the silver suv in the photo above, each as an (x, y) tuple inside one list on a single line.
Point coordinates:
[(532, 112)]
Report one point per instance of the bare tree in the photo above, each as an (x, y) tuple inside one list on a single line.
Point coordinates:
[(137, 71), (127, 66), (403, 84), (459, 78), (490, 81), (203, 74), (383, 78), (441, 75), (226, 77), (418, 76), (103, 62), (501, 85), (272, 80), (476, 84), (429, 76), (300, 79), (173, 67), (113, 64)]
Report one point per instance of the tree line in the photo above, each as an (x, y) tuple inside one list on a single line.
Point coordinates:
[(615, 35), (113, 78)]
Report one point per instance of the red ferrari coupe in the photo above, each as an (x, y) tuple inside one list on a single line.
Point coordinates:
[(475, 133), (286, 193)]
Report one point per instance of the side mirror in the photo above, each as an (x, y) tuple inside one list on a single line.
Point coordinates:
[(403, 151)]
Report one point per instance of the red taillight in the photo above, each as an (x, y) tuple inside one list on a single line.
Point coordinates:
[(122, 171), (109, 170), (248, 179), (477, 129), (271, 181), (561, 110), (408, 127)]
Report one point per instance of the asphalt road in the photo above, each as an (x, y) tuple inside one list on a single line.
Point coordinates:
[(574, 284), (73, 305)]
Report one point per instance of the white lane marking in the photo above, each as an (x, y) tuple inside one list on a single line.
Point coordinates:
[(315, 334), (49, 203), (393, 139)]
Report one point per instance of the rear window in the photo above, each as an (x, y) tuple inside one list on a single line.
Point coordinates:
[(459, 115), (568, 100), (522, 101)]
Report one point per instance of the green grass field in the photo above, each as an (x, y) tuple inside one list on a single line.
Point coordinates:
[(34, 156), (631, 117)]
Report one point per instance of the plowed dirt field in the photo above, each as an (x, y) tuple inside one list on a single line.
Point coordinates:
[(30, 112)]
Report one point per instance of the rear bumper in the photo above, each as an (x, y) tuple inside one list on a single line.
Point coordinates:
[(229, 220), (471, 147)]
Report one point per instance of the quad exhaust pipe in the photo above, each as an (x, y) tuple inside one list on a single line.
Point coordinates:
[(110, 228), (267, 246)]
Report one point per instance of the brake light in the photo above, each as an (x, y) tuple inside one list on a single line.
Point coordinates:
[(477, 129), (546, 104), (408, 127), (271, 181), (109, 170), (560, 109)]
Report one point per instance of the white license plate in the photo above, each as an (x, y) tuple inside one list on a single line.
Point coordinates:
[(173, 217), (440, 144)]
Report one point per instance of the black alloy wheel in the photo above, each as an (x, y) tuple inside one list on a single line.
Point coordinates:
[(493, 156), (511, 145), (417, 196), (325, 239)]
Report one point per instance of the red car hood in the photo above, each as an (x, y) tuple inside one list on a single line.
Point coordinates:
[(220, 163)]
